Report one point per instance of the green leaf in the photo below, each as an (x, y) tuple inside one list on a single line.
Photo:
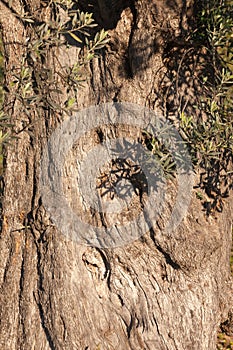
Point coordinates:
[(75, 37), (70, 102)]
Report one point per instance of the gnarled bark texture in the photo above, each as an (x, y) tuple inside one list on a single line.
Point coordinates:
[(157, 293)]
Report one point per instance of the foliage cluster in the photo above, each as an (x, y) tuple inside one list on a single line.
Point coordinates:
[(210, 139), (33, 83)]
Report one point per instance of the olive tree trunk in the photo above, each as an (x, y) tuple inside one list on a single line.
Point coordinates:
[(157, 292)]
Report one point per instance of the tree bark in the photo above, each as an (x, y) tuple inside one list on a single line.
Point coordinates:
[(158, 292)]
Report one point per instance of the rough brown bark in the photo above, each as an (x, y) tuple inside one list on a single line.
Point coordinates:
[(155, 293)]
